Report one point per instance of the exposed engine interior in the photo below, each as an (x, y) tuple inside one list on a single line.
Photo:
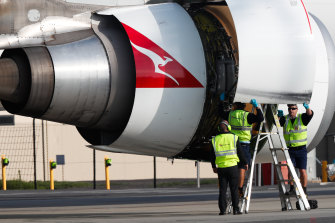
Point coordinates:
[(217, 32)]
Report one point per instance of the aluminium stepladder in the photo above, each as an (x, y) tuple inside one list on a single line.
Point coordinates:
[(284, 199)]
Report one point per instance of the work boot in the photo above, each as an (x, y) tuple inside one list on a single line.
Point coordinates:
[(305, 191), (237, 212), (222, 213), (291, 191)]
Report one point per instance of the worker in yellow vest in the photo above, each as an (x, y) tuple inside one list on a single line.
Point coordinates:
[(241, 125), (225, 156), (295, 134)]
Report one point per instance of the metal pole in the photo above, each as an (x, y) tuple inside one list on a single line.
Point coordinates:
[(94, 180), (52, 184), (108, 187), (43, 150), (272, 174), (155, 172), (34, 145), (259, 174), (324, 171), (4, 181), (198, 173), (63, 173)]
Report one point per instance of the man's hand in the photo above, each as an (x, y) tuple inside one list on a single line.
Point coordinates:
[(308, 110), (254, 103), (306, 105), (215, 170), (246, 167), (280, 113)]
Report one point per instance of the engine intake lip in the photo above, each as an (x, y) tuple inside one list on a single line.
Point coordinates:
[(42, 81), (35, 86), (16, 103)]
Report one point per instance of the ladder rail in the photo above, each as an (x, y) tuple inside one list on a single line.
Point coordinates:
[(299, 190), (247, 194), (304, 204), (285, 202)]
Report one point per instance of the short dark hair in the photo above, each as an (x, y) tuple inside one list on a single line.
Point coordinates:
[(223, 123), (290, 105), (239, 105)]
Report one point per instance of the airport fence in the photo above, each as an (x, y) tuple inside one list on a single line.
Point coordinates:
[(17, 144)]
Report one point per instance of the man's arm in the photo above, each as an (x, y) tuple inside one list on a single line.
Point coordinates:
[(212, 158), (307, 117), (309, 112), (222, 113), (282, 121), (252, 118)]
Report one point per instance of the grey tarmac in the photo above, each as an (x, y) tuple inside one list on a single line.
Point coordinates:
[(156, 205)]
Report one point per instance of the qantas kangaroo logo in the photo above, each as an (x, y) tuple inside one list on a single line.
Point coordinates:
[(155, 68), (157, 60)]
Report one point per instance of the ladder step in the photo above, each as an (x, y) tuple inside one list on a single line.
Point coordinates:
[(282, 164), (278, 148), (287, 180), (287, 195), (268, 133)]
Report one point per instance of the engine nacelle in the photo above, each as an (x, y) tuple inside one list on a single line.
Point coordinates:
[(86, 83)]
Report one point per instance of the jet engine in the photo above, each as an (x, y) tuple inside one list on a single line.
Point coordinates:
[(147, 79)]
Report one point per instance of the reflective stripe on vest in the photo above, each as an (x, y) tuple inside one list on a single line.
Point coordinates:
[(241, 128), (295, 135), (238, 120), (225, 150)]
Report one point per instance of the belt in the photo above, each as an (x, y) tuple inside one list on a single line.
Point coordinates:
[(297, 148)]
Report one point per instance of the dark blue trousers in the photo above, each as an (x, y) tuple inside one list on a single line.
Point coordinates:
[(228, 176)]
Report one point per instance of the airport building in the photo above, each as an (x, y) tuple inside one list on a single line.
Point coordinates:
[(63, 143)]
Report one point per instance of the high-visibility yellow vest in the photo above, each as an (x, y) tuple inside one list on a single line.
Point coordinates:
[(225, 150), (239, 124), (295, 134)]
